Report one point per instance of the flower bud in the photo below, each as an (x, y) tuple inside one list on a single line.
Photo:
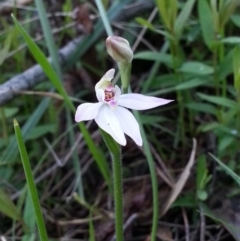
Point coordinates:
[(119, 49)]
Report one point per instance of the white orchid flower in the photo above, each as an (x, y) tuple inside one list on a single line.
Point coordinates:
[(110, 114)]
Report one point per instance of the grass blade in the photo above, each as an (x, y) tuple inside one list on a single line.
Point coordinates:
[(218, 100), (153, 174), (11, 151), (30, 182), (51, 74), (8, 207), (48, 36), (43, 62), (104, 17), (232, 174), (205, 18), (91, 228), (183, 17)]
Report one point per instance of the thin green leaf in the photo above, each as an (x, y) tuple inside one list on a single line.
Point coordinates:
[(183, 17), (192, 83), (11, 151), (173, 10), (196, 68), (5, 50), (210, 126), (144, 23), (226, 10), (41, 130), (10, 111), (163, 12), (202, 107), (236, 19), (224, 219), (236, 68), (151, 166), (155, 56), (225, 67), (201, 172), (231, 40), (215, 15), (222, 101), (7, 206), (91, 228), (42, 60), (206, 22), (232, 174), (225, 142), (31, 184), (28, 216), (104, 17), (48, 36)]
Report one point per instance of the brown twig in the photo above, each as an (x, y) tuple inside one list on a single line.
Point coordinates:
[(186, 224)]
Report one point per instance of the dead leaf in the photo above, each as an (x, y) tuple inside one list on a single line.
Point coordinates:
[(164, 233), (182, 179), (83, 18), (148, 238)]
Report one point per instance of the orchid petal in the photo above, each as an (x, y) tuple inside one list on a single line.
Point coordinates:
[(117, 93), (87, 111), (100, 95), (107, 120), (106, 78), (113, 103), (141, 102), (129, 124)]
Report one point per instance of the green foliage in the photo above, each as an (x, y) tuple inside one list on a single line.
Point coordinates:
[(49, 71), (190, 56), (236, 69), (196, 68), (30, 182), (227, 169), (206, 22), (5, 50), (202, 178), (7, 206)]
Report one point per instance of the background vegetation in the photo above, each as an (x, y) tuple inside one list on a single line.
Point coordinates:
[(184, 50)]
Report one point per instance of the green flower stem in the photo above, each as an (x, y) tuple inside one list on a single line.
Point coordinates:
[(115, 152), (125, 72), (153, 175)]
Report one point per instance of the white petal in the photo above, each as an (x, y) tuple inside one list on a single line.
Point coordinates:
[(107, 120), (100, 95), (113, 103), (87, 111), (129, 124), (107, 77), (141, 102), (117, 93)]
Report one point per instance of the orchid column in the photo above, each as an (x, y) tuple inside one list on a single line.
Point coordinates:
[(113, 117)]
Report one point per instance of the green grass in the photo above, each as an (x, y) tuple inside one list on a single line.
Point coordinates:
[(189, 53)]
